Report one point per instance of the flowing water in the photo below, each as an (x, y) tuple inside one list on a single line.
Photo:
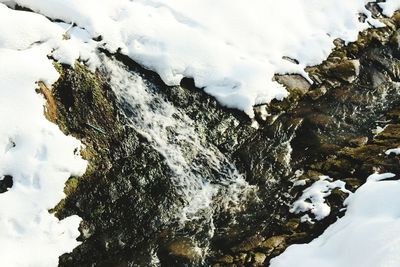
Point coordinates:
[(206, 183), (217, 192)]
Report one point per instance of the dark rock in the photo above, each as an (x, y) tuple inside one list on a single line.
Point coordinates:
[(6, 182)]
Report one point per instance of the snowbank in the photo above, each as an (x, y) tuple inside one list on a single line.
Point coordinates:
[(232, 50), (389, 7), (33, 151), (367, 236)]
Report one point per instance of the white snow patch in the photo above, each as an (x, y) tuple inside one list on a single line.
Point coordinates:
[(379, 177), (367, 236), (378, 130), (393, 150), (389, 7), (300, 182), (313, 198), (232, 50)]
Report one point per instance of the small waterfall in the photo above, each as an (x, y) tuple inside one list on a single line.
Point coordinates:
[(206, 182)]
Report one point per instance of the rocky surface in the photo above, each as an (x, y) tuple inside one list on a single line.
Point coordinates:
[(126, 197)]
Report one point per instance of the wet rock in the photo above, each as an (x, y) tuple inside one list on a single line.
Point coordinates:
[(318, 92), (274, 243), (358, 141), (249, 244), (184, 248), (292, 224), (293, 82), (259, 259), (352, 183), (336, 198), (347, 70), (226, 259), (242, 258), (320, 120), (300, 237)]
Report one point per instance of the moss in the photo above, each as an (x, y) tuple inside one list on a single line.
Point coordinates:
[(71, 185), (59, 207)]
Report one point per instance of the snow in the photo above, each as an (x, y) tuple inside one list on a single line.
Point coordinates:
[(389, 7), (300, 182), (367, 236), (393, 150), (313, 198), (231, 50), (33, 151)]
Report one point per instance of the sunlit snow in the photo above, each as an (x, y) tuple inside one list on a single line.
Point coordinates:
[(232, 50), (313, 199), (367, 236)]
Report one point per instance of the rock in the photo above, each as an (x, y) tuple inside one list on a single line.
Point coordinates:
[(320, 120), (71, 185), (292, 224), (395, 40), (293, 82), (226, 259), (359, 141), (318, 92), (347, 70), (184, 248), (242, 257), (249, 244), (6, 182), (338, 196), (352, 183), (274, 243), (259, 259), (298, 237)]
